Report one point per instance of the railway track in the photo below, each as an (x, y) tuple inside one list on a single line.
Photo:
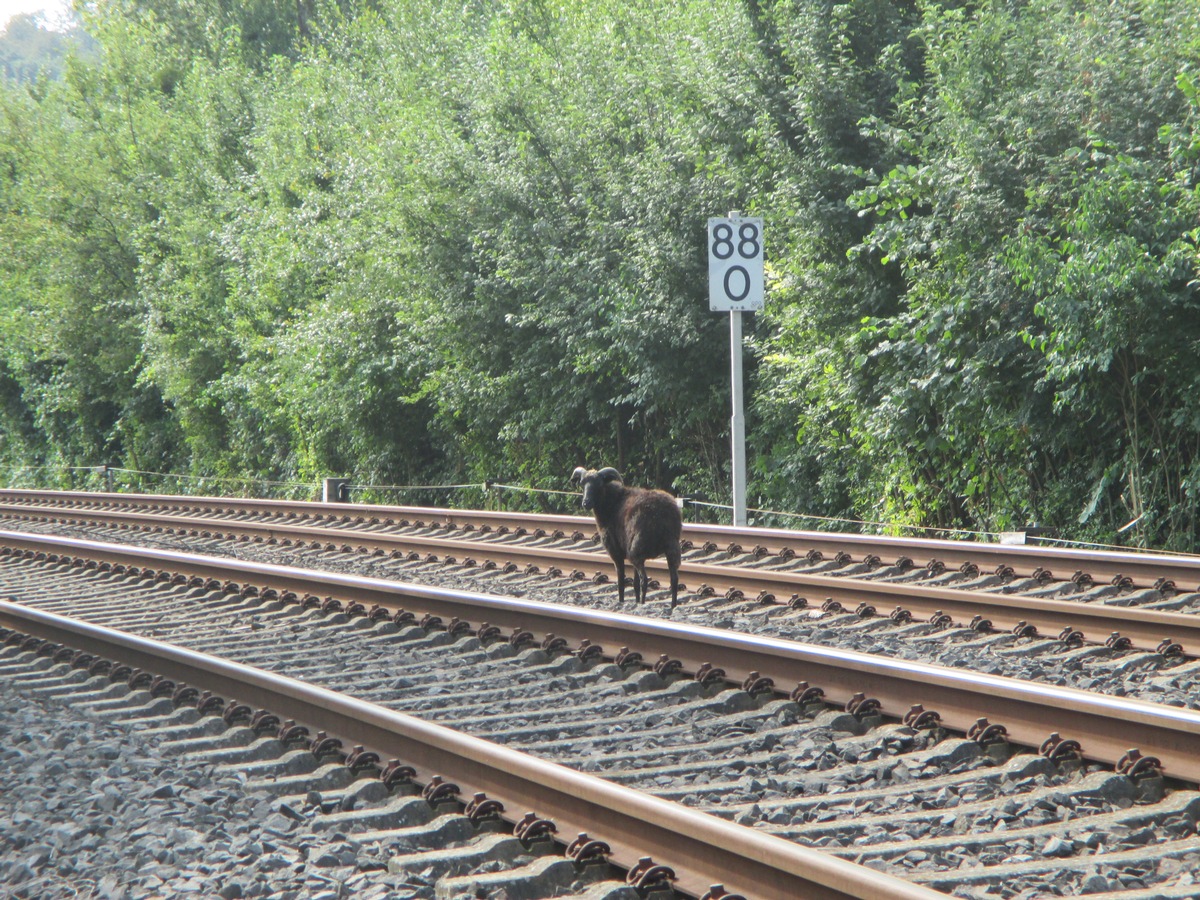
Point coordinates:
[(293, 762), (829, 773), (1170, 573), (1116, 600)]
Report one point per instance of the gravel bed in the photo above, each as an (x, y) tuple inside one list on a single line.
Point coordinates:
[(93, 809), (96, 808)]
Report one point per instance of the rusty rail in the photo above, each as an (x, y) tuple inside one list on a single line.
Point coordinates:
[(1106, 727), (1142, 569), (702, 849), (1092, 622)]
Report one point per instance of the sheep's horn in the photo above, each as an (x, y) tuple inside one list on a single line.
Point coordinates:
[(609, 474), (578, 474)]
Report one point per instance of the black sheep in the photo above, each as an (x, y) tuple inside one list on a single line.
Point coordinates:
[(635, 524)]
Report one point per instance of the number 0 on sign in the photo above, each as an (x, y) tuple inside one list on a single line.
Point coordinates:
[(735, 264)]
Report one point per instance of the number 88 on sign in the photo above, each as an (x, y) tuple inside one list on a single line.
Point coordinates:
[(735, 264)]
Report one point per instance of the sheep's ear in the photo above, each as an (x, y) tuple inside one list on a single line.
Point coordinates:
[(578, 474), (609, 474)]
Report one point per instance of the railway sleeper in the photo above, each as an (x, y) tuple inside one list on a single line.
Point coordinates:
[(222, 738), (549, 740), (1080, 800), (98, 689), (435, 865), (715, 746), (19, 660), (1176, 603), (1121, 595), (990, 581), (1082, 873), (386, 814), (48, 683), (119, 700), (260, 749), (293, 762), (1097, 652), (161, 720), (1185, 674), (537, 879), (326, 777), (813, 806), (1055, 840), (795, 765), (186, 724), (423, 834), (957, 579), (151, 708)]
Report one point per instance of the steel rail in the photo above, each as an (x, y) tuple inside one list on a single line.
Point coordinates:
[(315, 530), (1094, 622), (702, 849), (1106, 727), (1144, 568)]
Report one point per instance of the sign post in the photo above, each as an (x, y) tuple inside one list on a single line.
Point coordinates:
[(735, 284)]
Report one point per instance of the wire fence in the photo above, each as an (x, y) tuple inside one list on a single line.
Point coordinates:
[(115, 479), (488, 495)]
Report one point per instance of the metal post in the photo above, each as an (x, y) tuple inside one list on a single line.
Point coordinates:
[(735, 283), (738, 422), (335, 490)]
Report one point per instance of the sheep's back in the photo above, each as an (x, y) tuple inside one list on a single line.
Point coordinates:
[(652, 523)]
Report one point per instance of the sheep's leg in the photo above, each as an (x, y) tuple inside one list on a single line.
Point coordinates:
[(673, 557), (641, 581), (639, 578), (620, 564)]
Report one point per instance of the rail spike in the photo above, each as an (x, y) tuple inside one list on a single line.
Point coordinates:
[(484, 812), (666, 667), (1117, 641), (992, 737), (1024, 629), (1146, 772), (1168, 647), (980, 624), (585, 851), (1061, 750), (360, 760), (708, 674), (806, 695), (758, 685), (324, 747), (1137, 766), (920, 718), (398, 777), (648, 875), (1071, 637), (438, 792), (533, 830), (863, 707), (587, 652)]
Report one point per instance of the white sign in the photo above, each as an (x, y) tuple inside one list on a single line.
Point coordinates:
[(735, 264)]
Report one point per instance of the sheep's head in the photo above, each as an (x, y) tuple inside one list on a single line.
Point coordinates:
[(592, 481)]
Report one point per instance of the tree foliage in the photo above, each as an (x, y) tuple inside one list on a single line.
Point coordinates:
[(30, 49), (425, 243)]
